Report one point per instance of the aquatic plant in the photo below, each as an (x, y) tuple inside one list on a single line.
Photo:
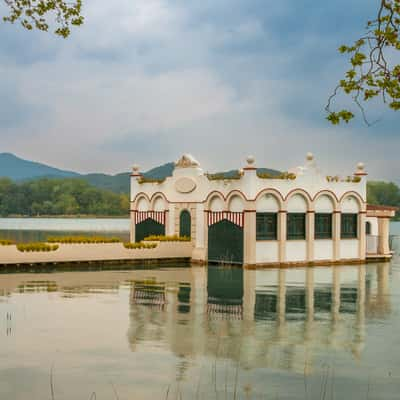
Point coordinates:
[(166, 238), (140, 245), (82, 239), (27, 247)]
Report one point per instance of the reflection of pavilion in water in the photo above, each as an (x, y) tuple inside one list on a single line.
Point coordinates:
[(268, 318)]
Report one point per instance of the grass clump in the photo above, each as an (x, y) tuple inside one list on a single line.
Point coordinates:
[(6, 242), (28, 247), (164, 238), (82, 239), (140, 245)]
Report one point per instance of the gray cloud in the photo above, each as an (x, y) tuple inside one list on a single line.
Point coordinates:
[(147, 80)]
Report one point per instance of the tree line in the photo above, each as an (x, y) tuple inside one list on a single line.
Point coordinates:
[(77, 197), (59, 197)]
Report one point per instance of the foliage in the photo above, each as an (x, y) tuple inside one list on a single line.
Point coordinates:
[(144, 179), (59, 197), (82, 239), (371, 73), (219, 176), (140, 245), (383, 193), (336, 178), (6, 242), (36, 247), (283, 175), (163, 238), (35, 14)]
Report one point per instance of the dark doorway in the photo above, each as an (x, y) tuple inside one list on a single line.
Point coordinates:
[(185, 224), (148, 227), (225, 243)]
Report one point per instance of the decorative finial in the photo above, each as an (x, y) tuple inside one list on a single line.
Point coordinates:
[(250, 160), (360, 167), (135, 168), (310, 156)]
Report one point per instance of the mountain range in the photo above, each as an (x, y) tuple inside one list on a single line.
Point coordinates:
[(18, 169)]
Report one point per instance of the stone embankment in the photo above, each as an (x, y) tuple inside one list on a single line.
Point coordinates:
[(104, 252)]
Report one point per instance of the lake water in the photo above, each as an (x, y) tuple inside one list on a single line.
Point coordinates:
[(202, 333), (38, 229)]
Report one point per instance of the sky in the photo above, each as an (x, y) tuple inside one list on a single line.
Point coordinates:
[(144, 81)]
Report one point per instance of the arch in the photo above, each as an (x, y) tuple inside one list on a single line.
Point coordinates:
[(158, 204), (210, 197), (325, 203), (268, 201), (139, 195), (329, 193), (236, 192), (225, 243), (356, 195), (156, 195), (216, 202), (142, 203), (297, 202), (351, 203), (185, 224), (299, 191), (236, 203)]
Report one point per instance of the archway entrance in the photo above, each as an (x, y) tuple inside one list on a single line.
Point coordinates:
[(225, 243), (148, 227), (185, 224)]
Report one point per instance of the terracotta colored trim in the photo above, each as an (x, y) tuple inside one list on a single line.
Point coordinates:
[(299, 191), (373, 207), (250, 211), (233, 193), (141, 194), (249, 168), (270, 191), (325, 191), (355, 194)]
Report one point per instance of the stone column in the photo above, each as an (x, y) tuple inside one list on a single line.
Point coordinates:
[(383, 236), (336, 220), (310, 235), (362, 239), (282, 220), (249, 233), (133, 227)]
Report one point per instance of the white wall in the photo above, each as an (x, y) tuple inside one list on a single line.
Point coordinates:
[(296, 250), (143, 205), (324, 204), (267, 203), (200, 225), (374, 225), (216, 204), (349, 248), (159, 204), (323, 249), (297, 204), (171, 221), (350, 205), (236, 204), (267, 251)]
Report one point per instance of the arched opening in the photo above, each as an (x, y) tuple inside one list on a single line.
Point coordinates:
[(185, 224), (225, 243), (148, 227)]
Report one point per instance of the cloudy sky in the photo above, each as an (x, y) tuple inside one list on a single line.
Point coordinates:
[(146, 80)]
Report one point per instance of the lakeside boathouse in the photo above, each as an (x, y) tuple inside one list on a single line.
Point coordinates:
[(252, 217)]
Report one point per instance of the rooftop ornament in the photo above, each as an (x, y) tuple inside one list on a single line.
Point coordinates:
[(187, 161)]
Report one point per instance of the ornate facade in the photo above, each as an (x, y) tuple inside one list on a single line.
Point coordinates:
[(254, 218)]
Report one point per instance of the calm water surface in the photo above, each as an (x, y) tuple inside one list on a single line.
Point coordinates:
[(38, 229), (202, 333)]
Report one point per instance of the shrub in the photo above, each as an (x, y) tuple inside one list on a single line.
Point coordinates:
[(143, 179), (284, 175), (26, 247), (140, 245), (163, 238), (6, 242), (82, 239)]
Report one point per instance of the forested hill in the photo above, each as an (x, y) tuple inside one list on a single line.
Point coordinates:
[(67, 196)]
